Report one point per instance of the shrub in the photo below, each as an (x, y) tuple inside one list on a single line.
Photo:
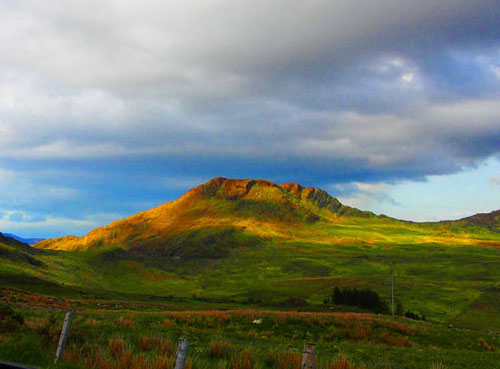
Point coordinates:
[(485, 345), (289, 360), (366, 299), (218, 349), (412, 315), (169, 323), (27, 349), (158, 344), (271, 358), (163, 363), (117, 347), (125, 321), (49, 330), (244, 360), (9, 319)]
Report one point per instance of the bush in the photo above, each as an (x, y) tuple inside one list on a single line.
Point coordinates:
[(366, 299), (412, 315), (218, 349), (9, 319), (50, 330), (27, 350)]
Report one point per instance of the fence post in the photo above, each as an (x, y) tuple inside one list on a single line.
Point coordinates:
[(63, 336), (309, 356), (181, 354)]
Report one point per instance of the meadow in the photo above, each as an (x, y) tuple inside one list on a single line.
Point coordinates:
[(135, 309), (449, 284), (230, 252), (118, 334)]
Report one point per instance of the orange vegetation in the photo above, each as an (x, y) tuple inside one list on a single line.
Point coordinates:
[(158, 344), (125, 321), (244, 360), (218, 349)]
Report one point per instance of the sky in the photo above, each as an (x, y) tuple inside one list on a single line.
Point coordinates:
[(108, 108)]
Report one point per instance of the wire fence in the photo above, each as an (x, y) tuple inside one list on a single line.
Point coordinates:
[(224, 337)]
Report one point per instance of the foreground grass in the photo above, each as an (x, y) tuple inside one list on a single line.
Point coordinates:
[(120, 334)]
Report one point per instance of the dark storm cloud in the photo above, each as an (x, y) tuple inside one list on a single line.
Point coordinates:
[(318, 92)]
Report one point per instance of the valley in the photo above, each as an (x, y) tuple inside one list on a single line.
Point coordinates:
[(254, 245)]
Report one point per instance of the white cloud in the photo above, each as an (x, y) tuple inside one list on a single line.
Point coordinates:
[(52, 226), (364, 195), (494, 181), (7, 223), (408, 77)]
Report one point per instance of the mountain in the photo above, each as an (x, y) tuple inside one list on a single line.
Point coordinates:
[(7, 240), (17, 251), (223, 214), (29, 241), (254, 241), (488, 220)]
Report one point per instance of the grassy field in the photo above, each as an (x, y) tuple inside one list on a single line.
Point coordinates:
[(121, 334), (128, 300), (448, 284), (258, 250)]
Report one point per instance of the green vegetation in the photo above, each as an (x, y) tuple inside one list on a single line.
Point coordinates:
[(145, 334), (257, 247), (365, 298)]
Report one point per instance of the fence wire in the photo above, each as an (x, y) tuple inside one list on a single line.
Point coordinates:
[(223, 337)]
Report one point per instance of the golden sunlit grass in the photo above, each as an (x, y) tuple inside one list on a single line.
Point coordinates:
[(264, 209)]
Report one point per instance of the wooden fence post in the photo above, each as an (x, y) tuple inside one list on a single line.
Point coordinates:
[(181, 354), (309, 356), (63, 336)]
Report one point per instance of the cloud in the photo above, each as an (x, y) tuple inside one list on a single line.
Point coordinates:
[(52, 226), (117, 99), (364, 195), (494, 181)]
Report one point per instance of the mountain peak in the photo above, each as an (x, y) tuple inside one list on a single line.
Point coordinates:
[(264, 190), (224, 213), (254, 206), (231, 189)]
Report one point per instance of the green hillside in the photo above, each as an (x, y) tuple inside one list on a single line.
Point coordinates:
[(257, 242), (266, 211), (261, 250)]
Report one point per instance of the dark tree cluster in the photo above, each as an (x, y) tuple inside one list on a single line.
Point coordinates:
[(365, 299), (412, 315)]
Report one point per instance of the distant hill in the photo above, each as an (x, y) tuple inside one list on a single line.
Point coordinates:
[(488, 220), (254, 241), (29, 241), (224, 214), (6, 239), (18, 251)]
